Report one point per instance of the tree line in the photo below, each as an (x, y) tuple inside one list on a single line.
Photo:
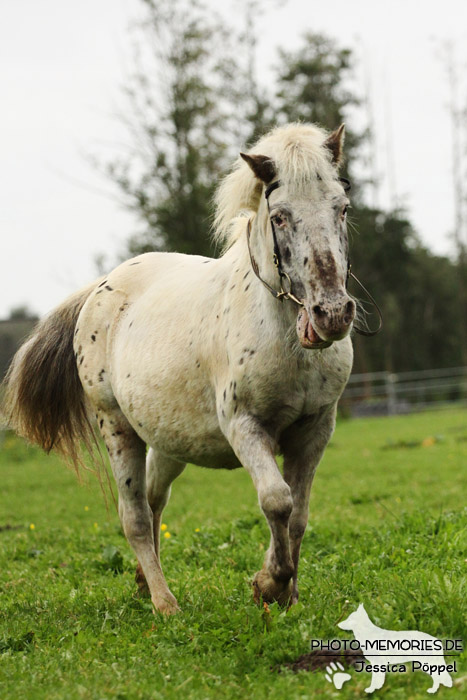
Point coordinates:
[(193, 101)]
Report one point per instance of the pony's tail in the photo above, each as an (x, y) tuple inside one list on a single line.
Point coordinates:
[(44, 398)]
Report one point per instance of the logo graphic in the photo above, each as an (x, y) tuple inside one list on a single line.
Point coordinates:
[(390, 651), (335, 676)]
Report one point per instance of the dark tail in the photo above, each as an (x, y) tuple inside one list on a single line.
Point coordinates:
[(44, 399)]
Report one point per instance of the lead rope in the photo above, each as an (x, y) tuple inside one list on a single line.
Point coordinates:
[(287, 293)]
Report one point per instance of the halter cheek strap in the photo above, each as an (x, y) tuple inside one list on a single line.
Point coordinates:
[(285, 281)]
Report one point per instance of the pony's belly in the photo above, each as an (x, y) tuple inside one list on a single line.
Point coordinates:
[(176, 417)]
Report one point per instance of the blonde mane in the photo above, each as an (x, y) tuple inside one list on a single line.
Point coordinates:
[(298, 153)]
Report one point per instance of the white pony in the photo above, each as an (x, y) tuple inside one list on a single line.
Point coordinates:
[(220, 362)]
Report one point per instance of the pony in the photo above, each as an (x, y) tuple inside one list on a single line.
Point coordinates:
[(224, 362)]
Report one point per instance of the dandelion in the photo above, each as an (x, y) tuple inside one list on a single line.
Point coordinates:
[(163, 527), (96, 526), (197, 529), (167, 535), (32, 526), (86, 507)]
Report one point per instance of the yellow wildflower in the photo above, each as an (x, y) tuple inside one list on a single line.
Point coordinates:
[(167, 535), (86, 507), (197, 529), (32, 526), (163, 527)]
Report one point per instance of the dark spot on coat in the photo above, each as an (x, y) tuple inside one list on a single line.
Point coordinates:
[(287, 254), (305, 260), (135, 263), (81, 360), (326, 267), (240, 362), (246, 274), (206, 261), (232, 287), (247, 287), (102, 283), (119, 432), (109, 289), (225, 392), (101, 423), (128, 375), (93, 338), (131, 323), (140, 425), (128, 481)]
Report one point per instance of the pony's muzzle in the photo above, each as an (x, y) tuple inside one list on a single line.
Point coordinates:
[(332, 320)]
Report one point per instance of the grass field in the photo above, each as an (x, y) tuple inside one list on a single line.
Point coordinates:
[(387, 528)]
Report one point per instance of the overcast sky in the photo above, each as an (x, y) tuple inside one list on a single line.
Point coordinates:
[(62, 64)]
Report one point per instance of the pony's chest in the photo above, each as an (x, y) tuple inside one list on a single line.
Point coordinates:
[(283, 395)]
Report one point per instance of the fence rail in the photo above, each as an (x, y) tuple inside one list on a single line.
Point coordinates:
[(387, 393)]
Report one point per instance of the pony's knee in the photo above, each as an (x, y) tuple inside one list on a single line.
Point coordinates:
[(276, 501)]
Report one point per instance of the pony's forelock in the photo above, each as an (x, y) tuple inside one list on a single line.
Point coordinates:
[(299, 154)]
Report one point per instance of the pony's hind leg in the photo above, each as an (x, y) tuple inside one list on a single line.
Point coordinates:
[(127, 458), (160, 473)]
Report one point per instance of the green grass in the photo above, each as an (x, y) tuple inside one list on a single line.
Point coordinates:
[(387, 528)]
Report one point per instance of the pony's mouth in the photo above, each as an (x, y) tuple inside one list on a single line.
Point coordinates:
[(307, 335)]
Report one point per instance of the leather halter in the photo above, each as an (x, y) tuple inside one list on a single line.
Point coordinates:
[(287, 293)]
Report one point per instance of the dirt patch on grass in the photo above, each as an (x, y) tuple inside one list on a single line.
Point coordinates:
[(318, 660)]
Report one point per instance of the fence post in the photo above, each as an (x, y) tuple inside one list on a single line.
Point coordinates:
[(391, 380)]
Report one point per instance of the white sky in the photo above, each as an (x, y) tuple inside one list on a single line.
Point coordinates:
[(61, 66)]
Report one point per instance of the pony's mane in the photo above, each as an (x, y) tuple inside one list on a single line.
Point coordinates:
[(299, 155)]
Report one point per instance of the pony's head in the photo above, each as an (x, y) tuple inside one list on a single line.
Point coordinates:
[(307, 215)]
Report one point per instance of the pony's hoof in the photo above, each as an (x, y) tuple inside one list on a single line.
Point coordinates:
[(167, 605), (268, 590), (143, 588)]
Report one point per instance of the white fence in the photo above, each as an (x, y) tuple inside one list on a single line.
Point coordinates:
[(386, 393)]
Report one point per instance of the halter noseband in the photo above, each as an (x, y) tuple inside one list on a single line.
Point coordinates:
[(284, 277)]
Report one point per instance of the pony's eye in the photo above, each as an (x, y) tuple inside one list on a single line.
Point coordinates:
[(278, 219)]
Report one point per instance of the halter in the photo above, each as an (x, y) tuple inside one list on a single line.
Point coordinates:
[(286, 293)]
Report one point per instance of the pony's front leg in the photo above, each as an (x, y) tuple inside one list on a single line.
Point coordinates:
[(303, 448), (255, 449)]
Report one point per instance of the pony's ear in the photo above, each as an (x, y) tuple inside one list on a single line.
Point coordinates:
[(335, 143), (262, 166)]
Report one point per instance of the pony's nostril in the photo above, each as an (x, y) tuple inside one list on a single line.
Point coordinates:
[(319, 311), (349, 312)]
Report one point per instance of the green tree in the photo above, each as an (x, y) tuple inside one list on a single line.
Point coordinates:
[(313, 86), (178, 119)]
